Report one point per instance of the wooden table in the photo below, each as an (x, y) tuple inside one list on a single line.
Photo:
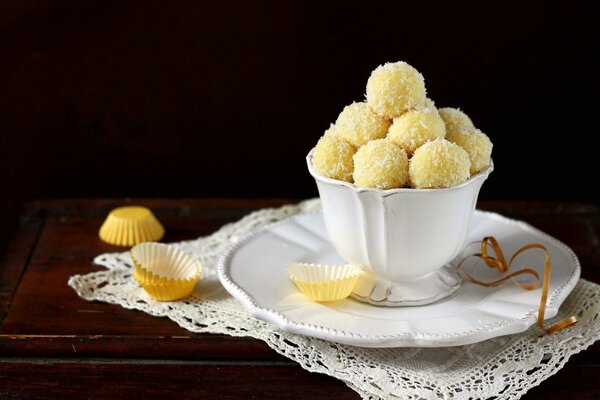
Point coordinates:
[(55, 345)]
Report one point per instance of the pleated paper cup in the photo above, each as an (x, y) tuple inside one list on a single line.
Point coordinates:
[(128, 226), (164, 271), (324, 282)]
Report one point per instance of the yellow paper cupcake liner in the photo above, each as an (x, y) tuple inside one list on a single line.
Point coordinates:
[(324, 282), (128, 226), (166, 273)]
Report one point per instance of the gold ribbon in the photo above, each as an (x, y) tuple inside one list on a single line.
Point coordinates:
[(498, 261)]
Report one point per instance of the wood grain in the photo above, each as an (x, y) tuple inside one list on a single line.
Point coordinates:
[(48, 334), (108, 380), (16, 257)]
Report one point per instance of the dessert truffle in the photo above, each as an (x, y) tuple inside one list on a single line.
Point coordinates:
[(332, 131), (394, 88), (476, 143), (439, 164), (358, 124), (413, 128), (380, 164), (429, 103), (454, 119), (332, 157)]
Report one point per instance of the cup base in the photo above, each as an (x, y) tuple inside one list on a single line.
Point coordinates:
[(417, 292)]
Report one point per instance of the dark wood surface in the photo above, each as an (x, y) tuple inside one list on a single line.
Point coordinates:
[(55, 345)]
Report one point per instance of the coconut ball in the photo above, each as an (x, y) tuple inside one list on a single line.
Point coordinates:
[(357, 124), (413, 128), (439, 164), (380, 164), (394, 88), (455, 119), (332, 131), (332, 157), (476, 143), (429, 103)]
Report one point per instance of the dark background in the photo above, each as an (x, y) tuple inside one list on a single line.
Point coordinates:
[(222, 98)]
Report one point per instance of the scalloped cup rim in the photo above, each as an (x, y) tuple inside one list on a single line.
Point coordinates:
[(189, 277), (483, 174), (352, 273)]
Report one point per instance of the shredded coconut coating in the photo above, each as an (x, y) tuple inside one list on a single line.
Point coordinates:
[(429, 103), (333, 157), (380, 164), (394, 88), (332, 131), (416, 127), (439, 164), (358, 124), (477, 144), (455, 119)]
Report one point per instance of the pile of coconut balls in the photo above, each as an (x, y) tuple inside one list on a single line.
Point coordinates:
[(398, 138)]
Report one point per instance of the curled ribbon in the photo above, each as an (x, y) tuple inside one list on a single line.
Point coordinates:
[(498, 261)]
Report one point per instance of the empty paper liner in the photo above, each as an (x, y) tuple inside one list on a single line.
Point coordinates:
[(128, 226), (164, 271), (324, 282)]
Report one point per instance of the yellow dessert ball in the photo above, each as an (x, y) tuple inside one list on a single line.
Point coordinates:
[(454, 119), (394, 88), (476, 143), (429, 103), (380, 164), (332, 131), (439, 164), (358, 124), (333, 158), (416, 127)]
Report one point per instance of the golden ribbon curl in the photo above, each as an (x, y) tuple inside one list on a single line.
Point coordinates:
[(499, 262)]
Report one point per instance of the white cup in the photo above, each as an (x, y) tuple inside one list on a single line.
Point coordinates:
[(403, 238)]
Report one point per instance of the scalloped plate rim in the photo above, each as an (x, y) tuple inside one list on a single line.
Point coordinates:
[(401, 339)]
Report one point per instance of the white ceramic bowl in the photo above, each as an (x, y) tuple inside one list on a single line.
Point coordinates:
[(404, 237)]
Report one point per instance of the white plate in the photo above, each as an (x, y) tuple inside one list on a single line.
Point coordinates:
[(254, 272)]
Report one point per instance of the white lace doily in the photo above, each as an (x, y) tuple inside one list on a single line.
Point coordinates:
[(504, 367)]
